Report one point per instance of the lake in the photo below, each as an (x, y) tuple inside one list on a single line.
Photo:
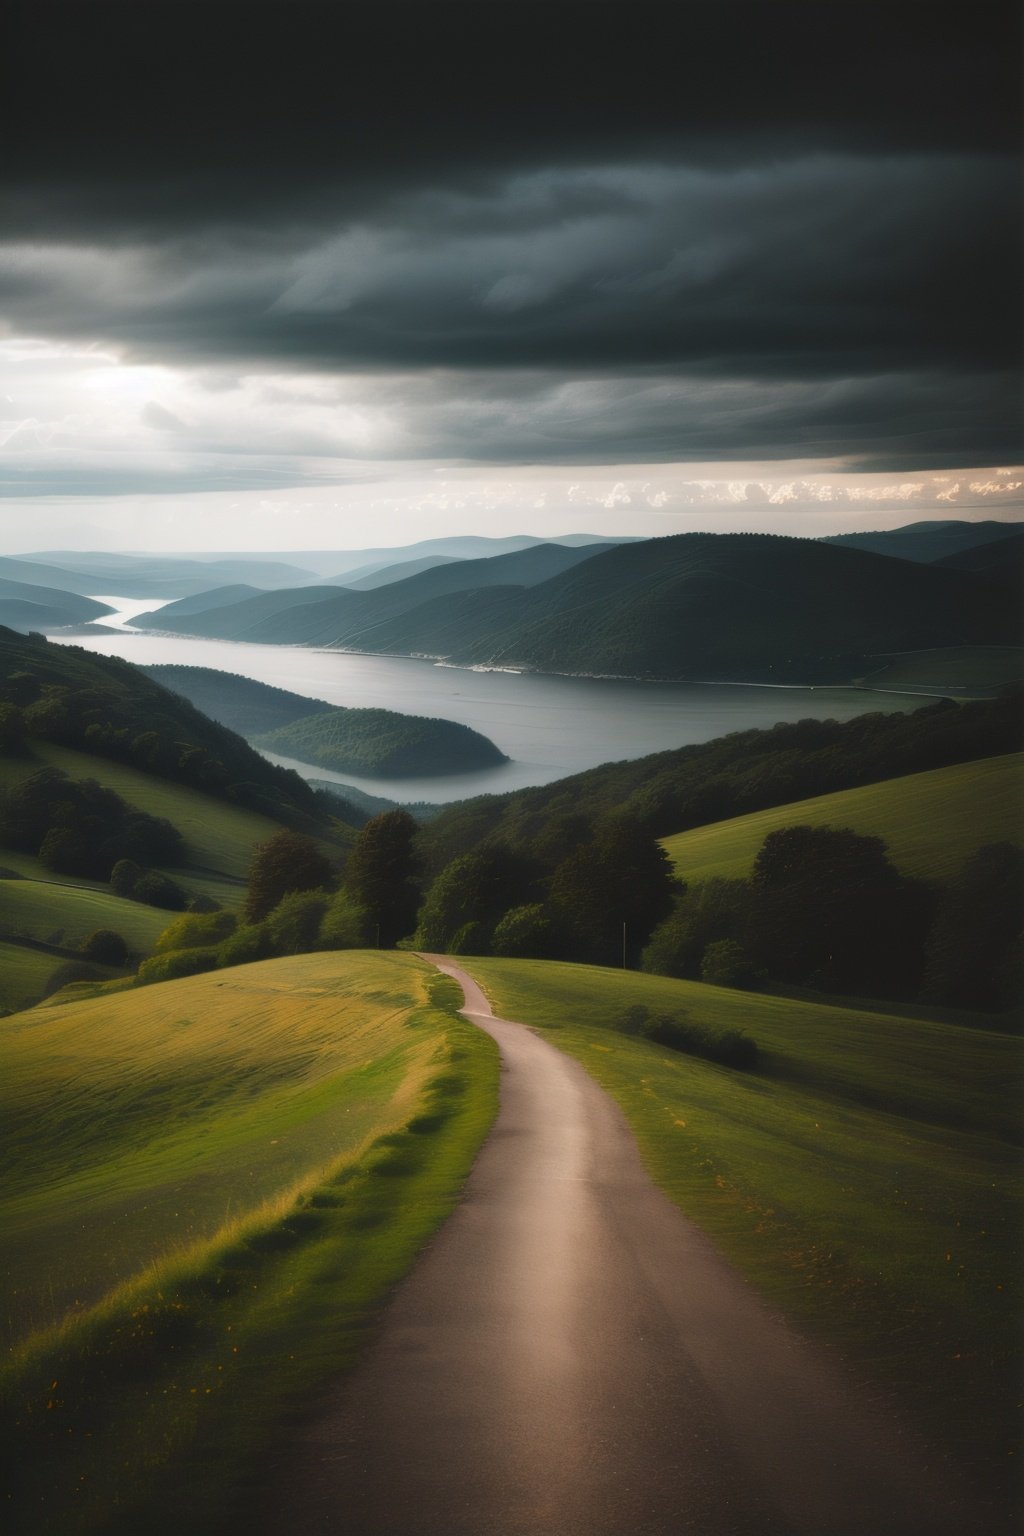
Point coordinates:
[(548, 726)]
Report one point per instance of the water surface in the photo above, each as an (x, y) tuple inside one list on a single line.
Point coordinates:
[(549, 726)]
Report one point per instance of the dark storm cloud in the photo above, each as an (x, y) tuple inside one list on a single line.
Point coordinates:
[(679, 205), (134, 115)]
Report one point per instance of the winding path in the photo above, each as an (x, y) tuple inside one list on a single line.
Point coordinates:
[(570, 1357)]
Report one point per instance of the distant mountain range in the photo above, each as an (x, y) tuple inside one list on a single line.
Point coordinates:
[(322, 616), (752, 607), (929, 542)]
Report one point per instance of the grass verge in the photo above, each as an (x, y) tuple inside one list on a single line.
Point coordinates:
[(866, 1177), (147, 1410)]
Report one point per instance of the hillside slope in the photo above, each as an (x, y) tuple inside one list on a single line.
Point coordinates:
[(931, 822), (693, 606), (309, 617), (111, 709)]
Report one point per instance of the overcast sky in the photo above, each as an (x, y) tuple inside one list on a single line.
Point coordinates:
[(297, 276)]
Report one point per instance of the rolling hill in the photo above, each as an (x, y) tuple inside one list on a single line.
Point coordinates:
[(211, 1185), (24, 607), (931, 822), (308, 617), (740, 607), (381, 743), (926, 541), (240, 703), (75, 698)]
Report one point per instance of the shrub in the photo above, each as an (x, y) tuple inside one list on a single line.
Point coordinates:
[(68, 973), (727, 964), (248, 943), (196, 930), (728, 1048), (343, 925), (288, 863), (124, 877), (200, 902), (523, 933), (182, 962), (105, 947), (293, 927), (157, 890)]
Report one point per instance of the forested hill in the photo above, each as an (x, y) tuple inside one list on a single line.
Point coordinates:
[(730, 607), (381, 742), (323, 615), (108, 707), (747, 771)]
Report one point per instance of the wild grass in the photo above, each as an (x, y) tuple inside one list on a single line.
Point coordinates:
[(932, 822), (64, 914), (147, 1410), (23, 973), (865, 1177)]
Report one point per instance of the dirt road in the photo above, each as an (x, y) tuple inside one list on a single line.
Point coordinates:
[(570, 1357)]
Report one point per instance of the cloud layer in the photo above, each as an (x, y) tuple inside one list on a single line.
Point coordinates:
[(249, 242)]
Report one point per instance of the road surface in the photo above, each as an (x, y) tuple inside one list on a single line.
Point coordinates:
[(570, 1357)]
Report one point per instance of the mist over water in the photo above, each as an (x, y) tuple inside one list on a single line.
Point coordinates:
[(549, 726)]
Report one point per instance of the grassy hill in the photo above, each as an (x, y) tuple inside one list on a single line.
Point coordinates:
[(701, 606), (381, 743), (200, 1180), (74, 698), (865, 1176), (693, 786), (60, 910), (932, 822)]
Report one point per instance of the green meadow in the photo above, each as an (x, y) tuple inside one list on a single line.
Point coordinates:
[(210, 1184), (865, 1176), (931, 822), (61, 910)]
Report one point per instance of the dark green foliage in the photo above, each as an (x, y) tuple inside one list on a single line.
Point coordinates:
[(200, 902), (829, 910), (476, 890), (288, 862), (248, 943), (748, 771), (293, 926), (729, 1048), (382, 743), (105, 706), (125, 876), (105, 947), (157, 890), (380, 874), (344, 923), (12, 728), (524, 933), (69, 973), (196, 930), (707, 913), (607, 896), (973, 956), (182, 962), (77, 827), (726, 963)]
